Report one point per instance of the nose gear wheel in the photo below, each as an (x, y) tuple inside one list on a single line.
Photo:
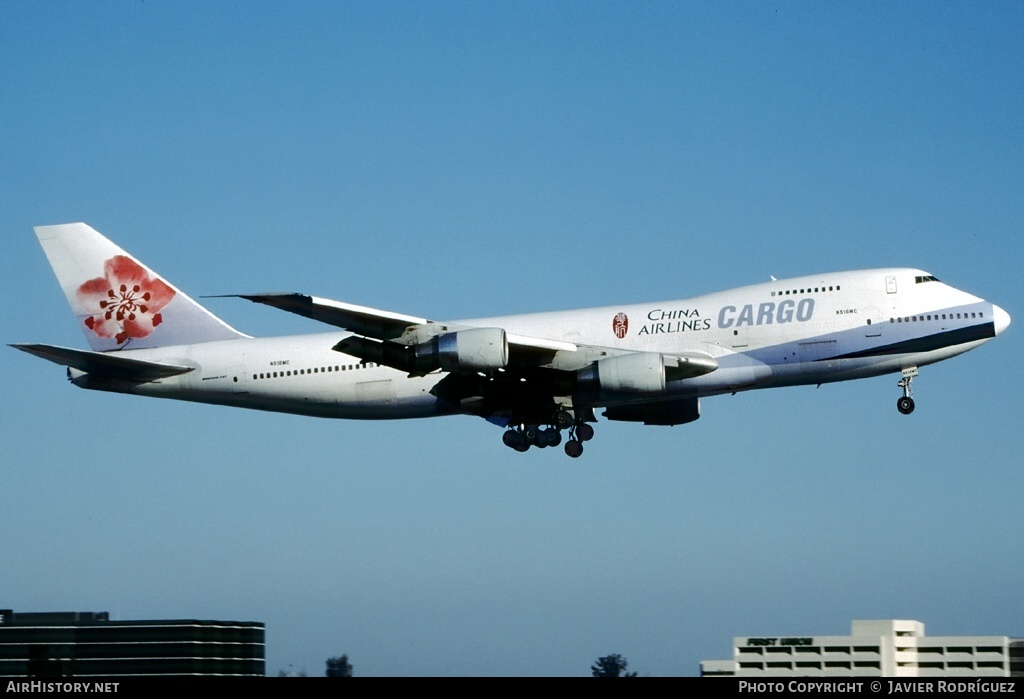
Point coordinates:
[(906, 404)]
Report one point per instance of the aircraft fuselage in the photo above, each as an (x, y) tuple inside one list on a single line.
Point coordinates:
[(807, 330)]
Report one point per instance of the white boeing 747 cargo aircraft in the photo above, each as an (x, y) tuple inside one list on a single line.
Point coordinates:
[(535, 375)]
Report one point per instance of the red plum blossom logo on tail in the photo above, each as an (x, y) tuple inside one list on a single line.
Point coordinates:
[(124, 303), (620, 325)]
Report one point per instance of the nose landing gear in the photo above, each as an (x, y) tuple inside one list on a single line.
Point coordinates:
[(906, 404)]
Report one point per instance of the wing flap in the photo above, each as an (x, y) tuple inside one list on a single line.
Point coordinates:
[(385, 353), (104, 364)]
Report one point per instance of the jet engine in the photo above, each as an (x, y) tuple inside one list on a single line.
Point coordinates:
[(638, 372), (475, 349)]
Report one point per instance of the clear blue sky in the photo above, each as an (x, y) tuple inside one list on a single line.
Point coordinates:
[(468, 159)]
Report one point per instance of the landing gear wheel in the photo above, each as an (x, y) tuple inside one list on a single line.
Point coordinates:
[(544, 437), (563, 419), (584, 432), (573, 448), (515, 439), (906, 404)]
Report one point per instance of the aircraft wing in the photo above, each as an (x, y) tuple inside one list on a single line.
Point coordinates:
[(419, 346), (104, 364), (361, 320)]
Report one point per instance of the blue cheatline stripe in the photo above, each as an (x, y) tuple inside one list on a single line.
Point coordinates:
[(928, 343)]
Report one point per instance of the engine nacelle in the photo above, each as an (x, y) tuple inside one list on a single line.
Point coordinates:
[(639, 372), (475, 349), (666, 412)]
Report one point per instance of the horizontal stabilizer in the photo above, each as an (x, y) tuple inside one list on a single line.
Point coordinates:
[(369, 322), (103, 364)]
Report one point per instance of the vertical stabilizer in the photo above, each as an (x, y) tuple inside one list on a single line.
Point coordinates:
[(119, 302)]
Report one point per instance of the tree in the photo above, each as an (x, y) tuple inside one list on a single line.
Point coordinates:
[(611, 666), (339, 667)]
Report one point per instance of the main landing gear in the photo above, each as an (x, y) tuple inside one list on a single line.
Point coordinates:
[(906, 404), (522, 437)]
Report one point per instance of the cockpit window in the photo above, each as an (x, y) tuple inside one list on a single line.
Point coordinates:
[(922, 280)]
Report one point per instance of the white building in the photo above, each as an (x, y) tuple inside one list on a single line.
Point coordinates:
[(887, 648)]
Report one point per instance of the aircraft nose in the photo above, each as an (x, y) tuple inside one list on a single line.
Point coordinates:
[(1002, 318)]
